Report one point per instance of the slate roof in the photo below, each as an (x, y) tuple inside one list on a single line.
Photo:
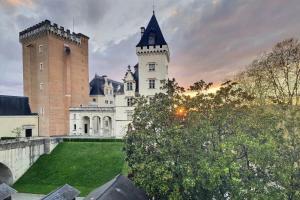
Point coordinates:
[(14, 105), (97, 86), (119, 188), (6, 191), (65, 192), (152, 29)]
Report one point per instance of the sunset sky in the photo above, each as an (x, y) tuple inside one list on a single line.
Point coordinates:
[(208, 39)]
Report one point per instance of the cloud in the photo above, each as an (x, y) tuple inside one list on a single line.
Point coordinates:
[(208, 39), (19, 2)]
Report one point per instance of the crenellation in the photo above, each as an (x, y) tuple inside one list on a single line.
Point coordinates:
[(48, 28)]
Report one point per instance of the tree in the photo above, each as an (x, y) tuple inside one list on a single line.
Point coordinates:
[(18, 131), (223, 148), (275, 75)]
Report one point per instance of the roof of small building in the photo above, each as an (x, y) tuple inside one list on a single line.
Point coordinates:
[(65, 192), (97, 85), (119, 188), (6, 191), (152, 29), (14, 105)]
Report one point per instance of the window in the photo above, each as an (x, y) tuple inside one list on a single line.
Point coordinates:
[(151, 39), (41, 111), (110, 91), (106, 101), (94, 99), (74, 127), (152, 67), (129, 86), (106, 123), (151, 84), (130, 101), (28, 132), (111, 102), (41, 66), (74, 116), (40, 48), (41, 86)]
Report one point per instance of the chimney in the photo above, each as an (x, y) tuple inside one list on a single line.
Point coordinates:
[(105, 79), (142, 31)]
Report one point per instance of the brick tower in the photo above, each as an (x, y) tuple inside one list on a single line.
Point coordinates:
[(55, 74)]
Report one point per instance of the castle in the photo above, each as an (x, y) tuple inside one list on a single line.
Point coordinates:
[(55, 63)]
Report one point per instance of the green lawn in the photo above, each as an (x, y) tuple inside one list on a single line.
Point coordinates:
[(84, 165)]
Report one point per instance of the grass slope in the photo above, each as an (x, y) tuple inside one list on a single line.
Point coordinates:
[(84, 165)]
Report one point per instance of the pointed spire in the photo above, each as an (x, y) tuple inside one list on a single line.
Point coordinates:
[(152, 34)]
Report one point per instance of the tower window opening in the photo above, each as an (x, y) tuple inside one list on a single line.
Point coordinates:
[(152, 67), (151, 39), (40, 48), (41, 66)]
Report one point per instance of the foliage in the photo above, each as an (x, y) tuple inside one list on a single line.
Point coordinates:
[(222, 147), (17, 131), (275, 75), (83, 165)]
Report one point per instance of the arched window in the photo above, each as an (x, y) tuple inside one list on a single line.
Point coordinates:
[(151, 39)]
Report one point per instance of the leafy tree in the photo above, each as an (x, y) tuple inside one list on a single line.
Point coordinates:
[(275, 75), (223, 148)]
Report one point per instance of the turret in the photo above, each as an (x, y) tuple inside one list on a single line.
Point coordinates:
[(154, 56)]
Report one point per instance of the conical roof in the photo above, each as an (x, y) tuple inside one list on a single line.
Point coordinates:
[(152, 35)]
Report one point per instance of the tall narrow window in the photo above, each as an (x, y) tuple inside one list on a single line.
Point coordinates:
[(41, 86), (129, 86), (130, 101), (41, 111), (74, 127), (40, 48), (152, 67), (151, 83), (41, 66)]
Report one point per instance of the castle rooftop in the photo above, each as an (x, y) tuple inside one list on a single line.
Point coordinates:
[(50, 28)]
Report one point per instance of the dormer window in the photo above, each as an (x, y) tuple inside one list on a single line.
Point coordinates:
[(152, 67), (129, 86), (151, 39)]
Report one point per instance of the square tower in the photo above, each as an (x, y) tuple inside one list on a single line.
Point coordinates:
[(55, 74)]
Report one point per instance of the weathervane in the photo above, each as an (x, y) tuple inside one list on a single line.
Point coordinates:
[(153, 8)]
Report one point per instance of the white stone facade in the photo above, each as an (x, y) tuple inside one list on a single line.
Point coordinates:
[(112, 103)]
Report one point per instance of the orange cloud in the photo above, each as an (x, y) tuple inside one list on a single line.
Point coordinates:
[(20, 2)]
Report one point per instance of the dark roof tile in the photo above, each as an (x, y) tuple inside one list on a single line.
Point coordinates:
[(97, 86)]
